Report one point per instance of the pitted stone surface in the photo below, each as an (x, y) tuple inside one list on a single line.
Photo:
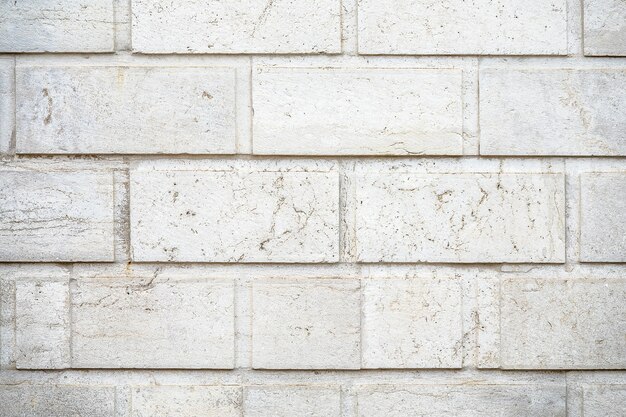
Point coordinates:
[(289, 401), (605, 27), (183, 401)]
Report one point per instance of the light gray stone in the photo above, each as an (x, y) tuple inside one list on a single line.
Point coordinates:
[(318, 111), (42, 324), (604, 400), (552, 112), (452, 27), (186, 401), (251, 216), (91, 110), (306, 324), (7, 103), (605, 27), (56, 26), (461, 217), (603, 217), (563, 323), (56, 216), (226, 26), (153, 323), (56, 401), (290, 401), (412, 323)]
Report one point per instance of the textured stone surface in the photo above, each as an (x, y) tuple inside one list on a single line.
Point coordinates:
[(552, 112), (42, 324), (290, 401), (306, 324), (173, 323), (56, 26), (604, 400), (56, 216), (357, 111), (563, 324), (7, 101), (516, 27), (225, 26), (56, 401), (186, 401), (605, 27), (603, 217), (411, 323), (210, 216), (459, 217), (461, 400), (66, 110)]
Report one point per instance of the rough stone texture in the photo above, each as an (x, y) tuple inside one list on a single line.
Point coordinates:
[(42, 324), (306, 324), (604, 400), (205, 216), (226, 26), (56, 216), (290, 401), (70, 110), (175, 323), (605, 27), (56, 401), (56, 26), (7, 101), (412, 323), (186, 401), (514, 27), (552, 112), (459, 218), (320, 111), (603, 217), (563, 324), (461, 400)]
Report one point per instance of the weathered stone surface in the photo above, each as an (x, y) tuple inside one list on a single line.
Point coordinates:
[(65, 110), (461, 400), (306, 324), (605, 27), (42, 324), (56, 216), (56, 26), (515, 27), (7, 102), (186, 401), (604, 400), (159, 323), (603, 217), (414, 323), (56, 401), (211, 216), (290, 401), (552, 112), (563, 324), (225, 26), (405, 217), (319, 111)]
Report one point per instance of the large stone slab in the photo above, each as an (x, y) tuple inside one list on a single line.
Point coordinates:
[(290, 401), (186, 401), (604, 400), (605, 27)]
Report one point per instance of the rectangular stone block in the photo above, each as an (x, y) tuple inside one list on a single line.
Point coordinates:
[(56, 26), (563, 324), (186, 401), (461, 217), (603, 217), (56, 401), (132, 110), (462, 400), (159, 323), (604, 400), (552, 112), (235, 27), (605, 27), (359, 111), (452, 27), (414, 323), (290, 401), (306, 324), (56, 216), (42, 324), (227, 216), (7, 103)]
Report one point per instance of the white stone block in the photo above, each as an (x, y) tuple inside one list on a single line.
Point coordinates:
[(291, 401), (7, 103), (186, 401), (605, 27), (604, 400)]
